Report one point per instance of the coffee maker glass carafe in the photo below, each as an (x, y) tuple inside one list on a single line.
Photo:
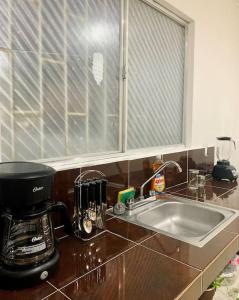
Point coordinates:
[(29, 240), (26, 242)]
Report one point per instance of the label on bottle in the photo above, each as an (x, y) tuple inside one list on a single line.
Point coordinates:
[(159, 183), (32, 249)]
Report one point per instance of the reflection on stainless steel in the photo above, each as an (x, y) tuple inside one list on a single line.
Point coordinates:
[(186, 220)]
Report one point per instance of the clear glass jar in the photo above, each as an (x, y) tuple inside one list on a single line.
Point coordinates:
[(193, 179)]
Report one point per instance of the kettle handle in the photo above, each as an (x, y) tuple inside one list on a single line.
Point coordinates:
[(62, 209)]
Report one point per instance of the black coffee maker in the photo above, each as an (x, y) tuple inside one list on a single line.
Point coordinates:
[(28, 253)]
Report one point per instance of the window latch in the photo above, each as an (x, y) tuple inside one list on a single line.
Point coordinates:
[(124, 72)]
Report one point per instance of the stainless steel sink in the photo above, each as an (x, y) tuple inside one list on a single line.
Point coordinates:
[(190, 221)]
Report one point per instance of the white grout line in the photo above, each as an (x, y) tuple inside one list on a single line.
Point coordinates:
[(64, 295), (46, 297), (219, 187), (112, 217), (137, 243), (172, 187), (62, 237), (116, 234), (52, 285), (149, 237), (59, 227), (57, 290), (189, 197), (226, 192), (195, 197)]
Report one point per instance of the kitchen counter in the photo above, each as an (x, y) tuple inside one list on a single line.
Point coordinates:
[(130, 262)]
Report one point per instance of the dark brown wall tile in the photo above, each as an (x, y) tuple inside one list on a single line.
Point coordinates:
[(134, 173), (172, 177), (117, 176), (63, 190), (139, 171), (198, 160)]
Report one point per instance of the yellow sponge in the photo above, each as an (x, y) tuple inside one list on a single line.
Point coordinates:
[(125, 195)]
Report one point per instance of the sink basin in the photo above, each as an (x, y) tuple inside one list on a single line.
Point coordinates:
[(190, 221), (182, 219)]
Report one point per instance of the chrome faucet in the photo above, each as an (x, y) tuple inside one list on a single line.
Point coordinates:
[(164, 165), (140, 201)]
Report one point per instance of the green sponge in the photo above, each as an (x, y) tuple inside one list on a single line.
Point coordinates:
[(125, 195)]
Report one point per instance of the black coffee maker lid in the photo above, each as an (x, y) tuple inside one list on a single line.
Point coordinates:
[(19, 170), (23, 184)]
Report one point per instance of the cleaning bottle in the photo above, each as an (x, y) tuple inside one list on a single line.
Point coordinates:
[(158, 182)]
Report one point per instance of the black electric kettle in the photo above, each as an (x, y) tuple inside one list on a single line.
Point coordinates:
[(28, 252)]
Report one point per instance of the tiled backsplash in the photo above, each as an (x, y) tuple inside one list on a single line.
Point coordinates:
[(124, 174)]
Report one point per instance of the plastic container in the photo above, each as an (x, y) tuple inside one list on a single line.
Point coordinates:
[(229, 274)]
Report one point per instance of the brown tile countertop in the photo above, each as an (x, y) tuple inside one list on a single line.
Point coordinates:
[(217, 192), (131, 262)]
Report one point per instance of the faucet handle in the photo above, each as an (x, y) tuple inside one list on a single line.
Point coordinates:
[(129, 202)]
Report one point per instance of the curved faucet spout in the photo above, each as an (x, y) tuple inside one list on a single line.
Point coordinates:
[(164, 165)]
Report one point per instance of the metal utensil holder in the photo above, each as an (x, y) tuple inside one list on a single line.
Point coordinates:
[(78, 212)]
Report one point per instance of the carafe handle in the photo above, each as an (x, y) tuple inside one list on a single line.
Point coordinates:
[(62, 209)]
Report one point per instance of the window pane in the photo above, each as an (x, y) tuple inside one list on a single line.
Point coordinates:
[(156, 78), (59, 78)]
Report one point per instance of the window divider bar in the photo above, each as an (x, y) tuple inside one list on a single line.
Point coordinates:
[(40, 77), (65, 80), (11, 75), (124, 73), (87, 70)]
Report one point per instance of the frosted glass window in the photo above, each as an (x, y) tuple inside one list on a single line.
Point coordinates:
[(51, 104), (155, 78)]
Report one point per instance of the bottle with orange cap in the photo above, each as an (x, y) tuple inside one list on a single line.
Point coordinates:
[(158, 182)]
